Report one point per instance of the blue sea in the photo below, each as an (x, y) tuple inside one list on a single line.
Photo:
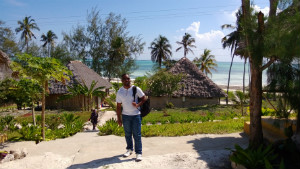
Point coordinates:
[(220, 76)]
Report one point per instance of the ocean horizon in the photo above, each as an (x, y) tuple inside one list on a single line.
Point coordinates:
[(220, 76)]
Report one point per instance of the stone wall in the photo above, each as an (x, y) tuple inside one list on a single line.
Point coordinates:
[(160, 102)]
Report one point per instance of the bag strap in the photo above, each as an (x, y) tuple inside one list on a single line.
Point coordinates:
[(134, 92)]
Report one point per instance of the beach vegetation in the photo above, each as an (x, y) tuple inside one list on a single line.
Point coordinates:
[(273, 42), (206, 62), (186, 44), (161, 49), (164, 83), (41, 70), (26, 26), (48, 40), (7, 40), (104, 44), (141, 82)]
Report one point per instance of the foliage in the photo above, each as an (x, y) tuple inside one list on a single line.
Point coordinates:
[(116, 86), (87, 91), (106, 43), (7, 123), (161, 49), (41, 70), (179, 129), (111, 102), (267, 112), (25, 27), (5, 94), (7, 40), (141, 82), (186, 42), (48, 40), (254, 158), (169, 105), (110, 127), (164, 83), (30, 133), (241, 99), (206, 62)]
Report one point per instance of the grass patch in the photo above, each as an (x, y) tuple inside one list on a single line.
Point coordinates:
[(179, 129)]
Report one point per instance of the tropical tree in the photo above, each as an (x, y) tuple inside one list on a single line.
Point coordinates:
[(42, 70), (240, 99), (25, 27), (232, 41), (86, 91), (161, 49), (164, 83), (186, 43), (49, 40), (28, 91), (206, 62), (7, 40), (275, 42)]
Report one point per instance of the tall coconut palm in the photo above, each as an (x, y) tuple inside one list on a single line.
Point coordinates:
[(186, 42), (160, 49), (26, 26), (49, 40), (232, 41), (206, 62)]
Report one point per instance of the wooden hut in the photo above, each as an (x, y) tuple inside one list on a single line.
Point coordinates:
[(5, 71), (197, 88), (81, 74)]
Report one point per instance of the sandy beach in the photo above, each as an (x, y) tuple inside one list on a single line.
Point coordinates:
[(88, 150)]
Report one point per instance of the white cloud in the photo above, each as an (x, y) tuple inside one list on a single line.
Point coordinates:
[(208, 40), (265, 10)]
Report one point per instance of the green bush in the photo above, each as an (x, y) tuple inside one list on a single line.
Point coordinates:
[(260, 158), (110, 127), (169, 105), (7, 123), (30, 133), (268, 112)]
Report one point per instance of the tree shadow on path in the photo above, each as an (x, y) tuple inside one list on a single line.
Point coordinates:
[(213, 150), (101, 162)]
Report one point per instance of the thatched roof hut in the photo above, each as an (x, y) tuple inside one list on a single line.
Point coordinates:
[(81, 74), (5, 71), (196, 83)]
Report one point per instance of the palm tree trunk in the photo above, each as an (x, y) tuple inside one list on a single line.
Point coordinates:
[(33, 114), (229, 79), (244, 75), (43, 110)]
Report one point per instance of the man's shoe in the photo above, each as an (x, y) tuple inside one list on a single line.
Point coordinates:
[(138, 157), (128, 153)]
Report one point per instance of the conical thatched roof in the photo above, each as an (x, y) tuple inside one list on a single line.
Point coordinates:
[(4, 59), (5, 71), (196, 84), (81, 74)]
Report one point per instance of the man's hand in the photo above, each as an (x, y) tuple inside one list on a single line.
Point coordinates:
[(120, 122), (135, 104)]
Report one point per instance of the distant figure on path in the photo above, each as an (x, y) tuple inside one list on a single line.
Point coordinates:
[(94, 118), (131, 116)]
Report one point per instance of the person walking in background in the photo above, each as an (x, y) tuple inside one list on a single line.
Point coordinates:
[(131, 118), (94, 118)]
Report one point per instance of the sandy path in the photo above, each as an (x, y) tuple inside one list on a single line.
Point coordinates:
[(88, 150)]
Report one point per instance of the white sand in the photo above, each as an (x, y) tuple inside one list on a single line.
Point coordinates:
[(88, 150)]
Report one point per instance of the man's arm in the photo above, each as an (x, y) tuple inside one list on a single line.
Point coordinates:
[(119, 114), (143, 99)]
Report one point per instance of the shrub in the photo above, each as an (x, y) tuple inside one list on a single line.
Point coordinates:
[(169, 105), (254, 158), (110, 127)]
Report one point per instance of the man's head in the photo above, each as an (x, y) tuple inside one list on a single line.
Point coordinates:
[(126, 80)]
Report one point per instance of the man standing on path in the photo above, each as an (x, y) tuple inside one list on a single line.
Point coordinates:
[(131, 116)]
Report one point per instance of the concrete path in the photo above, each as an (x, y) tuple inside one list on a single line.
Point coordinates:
[(88, 150)]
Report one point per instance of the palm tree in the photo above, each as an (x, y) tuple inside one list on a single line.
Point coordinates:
[(160, 50), (48, 40), (186, 42), (232, 41), (25, 27), (206, 62)]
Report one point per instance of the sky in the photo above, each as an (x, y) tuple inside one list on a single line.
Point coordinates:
[(148, 18)]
